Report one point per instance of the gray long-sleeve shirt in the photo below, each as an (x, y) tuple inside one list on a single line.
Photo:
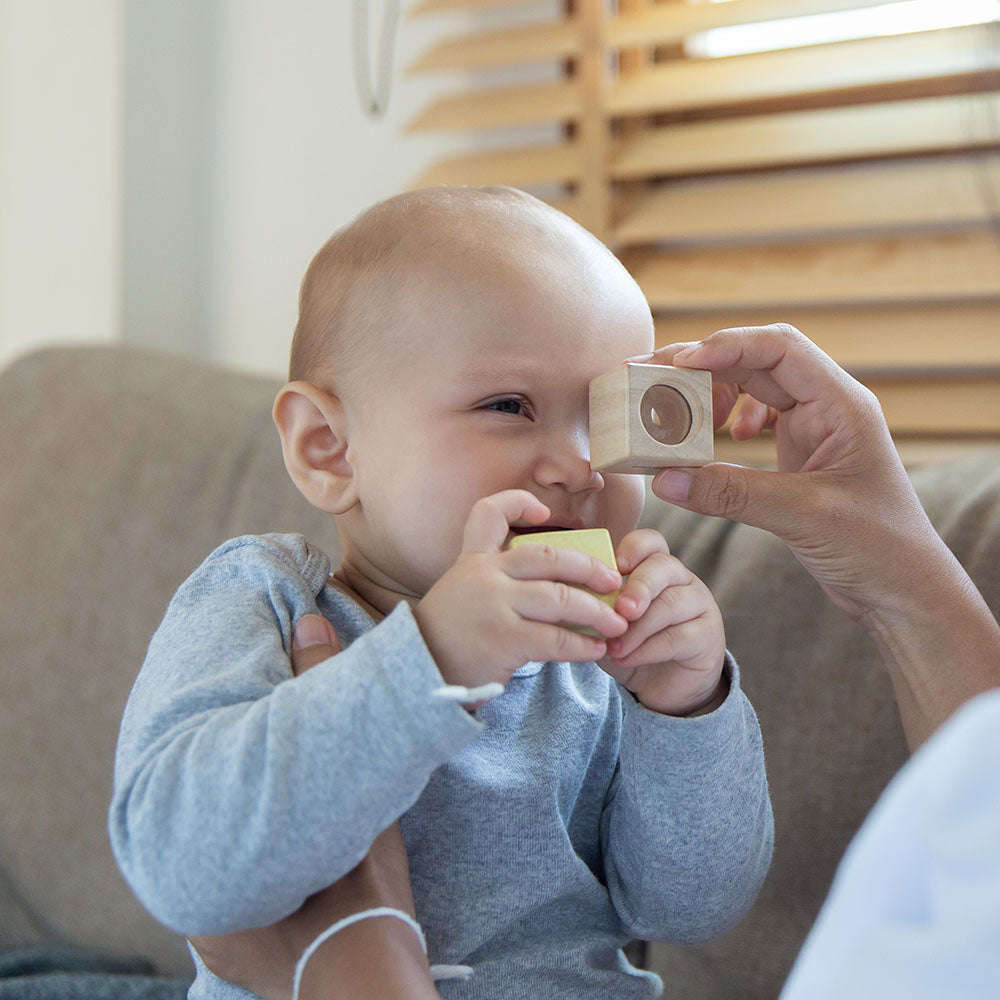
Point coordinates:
[(558, 822)]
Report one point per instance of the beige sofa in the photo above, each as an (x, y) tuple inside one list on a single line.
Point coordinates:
[(121, 470)]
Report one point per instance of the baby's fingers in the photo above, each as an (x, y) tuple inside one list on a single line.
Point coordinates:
[(653, 574), (552, 562), (663, 634), (557, 643), (557, 603), (490, 519)]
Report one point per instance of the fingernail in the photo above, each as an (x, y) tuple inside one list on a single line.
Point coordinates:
[(310, 631), (674, 484), (638, 359)]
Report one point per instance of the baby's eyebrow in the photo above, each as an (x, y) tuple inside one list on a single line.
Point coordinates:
[(506, 373)]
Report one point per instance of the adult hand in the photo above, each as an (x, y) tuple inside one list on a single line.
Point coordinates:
[(841, 500), (840, 497), (379, 958)]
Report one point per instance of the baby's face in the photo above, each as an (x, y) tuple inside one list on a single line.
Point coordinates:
[(486, 390)]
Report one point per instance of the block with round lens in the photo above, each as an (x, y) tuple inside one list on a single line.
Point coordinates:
[(644, 418)]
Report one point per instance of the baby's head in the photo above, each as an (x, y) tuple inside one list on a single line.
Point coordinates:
[(445, 344)]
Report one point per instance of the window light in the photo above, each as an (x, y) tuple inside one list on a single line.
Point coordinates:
[(814, 29)]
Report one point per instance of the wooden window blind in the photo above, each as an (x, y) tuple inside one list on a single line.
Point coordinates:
[(850, 187)]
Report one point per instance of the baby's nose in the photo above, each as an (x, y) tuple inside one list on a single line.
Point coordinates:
[(566, 463)]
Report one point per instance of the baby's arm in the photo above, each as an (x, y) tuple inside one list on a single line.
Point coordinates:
[(240, 791), (380, 958), (688, 826)]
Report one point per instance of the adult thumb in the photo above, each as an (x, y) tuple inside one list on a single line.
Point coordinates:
[(769, 500), (313, 641)]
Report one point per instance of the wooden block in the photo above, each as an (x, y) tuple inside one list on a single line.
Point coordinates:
[(595, 542), (644, 418)]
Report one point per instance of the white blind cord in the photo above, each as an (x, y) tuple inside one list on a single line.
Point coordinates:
[(374, 95)]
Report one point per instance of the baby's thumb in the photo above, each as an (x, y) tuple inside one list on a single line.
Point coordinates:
[(313, 641), (768, 500)]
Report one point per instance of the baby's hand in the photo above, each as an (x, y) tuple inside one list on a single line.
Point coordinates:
[(672, 654), (496, 609)]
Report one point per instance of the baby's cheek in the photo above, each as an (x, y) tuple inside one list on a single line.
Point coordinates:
[(446, 552), (624, 497)]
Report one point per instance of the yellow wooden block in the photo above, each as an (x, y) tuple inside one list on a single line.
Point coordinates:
[(595, 542)]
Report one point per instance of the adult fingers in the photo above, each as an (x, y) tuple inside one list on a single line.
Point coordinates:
[(313, 641), (774, 501), (753, 417), (776, 364)]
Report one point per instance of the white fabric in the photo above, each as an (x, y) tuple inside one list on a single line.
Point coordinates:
[(914, 911)]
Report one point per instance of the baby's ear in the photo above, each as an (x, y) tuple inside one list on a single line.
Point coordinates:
[(313, 428)]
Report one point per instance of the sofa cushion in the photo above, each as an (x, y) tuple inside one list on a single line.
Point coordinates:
[(122, 470)]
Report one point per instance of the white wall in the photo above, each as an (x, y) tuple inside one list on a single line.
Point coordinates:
[(60, 172), (169, 110), (296, 158), (168, 169)]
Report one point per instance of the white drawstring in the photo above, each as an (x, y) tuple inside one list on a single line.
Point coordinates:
[(455, 692)]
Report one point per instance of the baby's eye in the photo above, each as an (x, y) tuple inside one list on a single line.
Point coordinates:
[(516, 407)]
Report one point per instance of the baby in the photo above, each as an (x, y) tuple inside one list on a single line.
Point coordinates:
[(614, 788)]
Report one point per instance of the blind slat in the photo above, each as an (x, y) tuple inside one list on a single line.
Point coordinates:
[(534, 165), (940, 405), (932, 124), (550, 102), (935, 57), (924, 268), (940, 337), (780, 204), (506, 47)]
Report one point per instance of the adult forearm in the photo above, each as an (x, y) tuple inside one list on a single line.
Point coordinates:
[(380, 959), (939, 641)]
